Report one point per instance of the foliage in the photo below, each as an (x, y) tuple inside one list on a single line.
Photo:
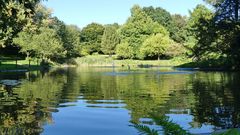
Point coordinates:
[(47, 44), (91, 37), (145, 130), (200, 31), (71, 41), (178, 28), (159, 15), (215, 35), (175, 50), (14, 16), (138, 28), (110, 40), (155, 45), (42, 17), (124, 50), (173, 23), (24, 40), (169, 127)]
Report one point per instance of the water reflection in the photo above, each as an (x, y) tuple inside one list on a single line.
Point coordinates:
[(96, 100)]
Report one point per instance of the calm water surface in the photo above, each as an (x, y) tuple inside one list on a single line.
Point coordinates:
[(106, 101)]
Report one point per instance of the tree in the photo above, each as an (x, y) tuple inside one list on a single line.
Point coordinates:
[(125, 51), (137, 28), (173, 23), (91, 37), (24, 41), (159, 15), (47, 44), (201, 31), (178, 27), (70, 36), (15, 14), (72, 41), (175, 50), (155, 45), (110, 40)]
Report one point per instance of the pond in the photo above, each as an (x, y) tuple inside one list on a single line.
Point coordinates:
[(108, 101)]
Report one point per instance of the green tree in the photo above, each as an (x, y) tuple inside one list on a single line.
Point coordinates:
[(160, 16), (30, 37), (110, 40), (155, 45), (70, 36), (24, 41), (137, 28), (201, 32), (72, 41), (91, 37), (173, 23), (178, 28), (15, 14), (227, 27), (125, 51), (47, 44)]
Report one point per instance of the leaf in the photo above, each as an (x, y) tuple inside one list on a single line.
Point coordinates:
[(145, 130)]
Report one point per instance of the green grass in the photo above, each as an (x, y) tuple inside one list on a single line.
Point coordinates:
[(21, 64), (105, 60)]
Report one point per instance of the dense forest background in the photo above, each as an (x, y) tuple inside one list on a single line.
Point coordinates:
[(208, 36)]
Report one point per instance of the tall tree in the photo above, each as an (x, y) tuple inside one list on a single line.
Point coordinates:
[(137, 28), (71, 41), (201, 31), (174, 24), (91, 37), (178, 27), (110, 39), (70, 36)]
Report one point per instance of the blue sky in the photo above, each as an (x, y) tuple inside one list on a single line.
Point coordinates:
[(83, 12)]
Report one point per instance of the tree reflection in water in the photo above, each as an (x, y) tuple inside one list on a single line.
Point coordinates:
[(200, 99)]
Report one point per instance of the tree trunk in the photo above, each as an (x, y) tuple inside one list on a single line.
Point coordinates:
[(158, 57), (29, 63), (27, 55), (236, 9)]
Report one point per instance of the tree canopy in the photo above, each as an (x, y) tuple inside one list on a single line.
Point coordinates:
[(15, 14), (155, 45), (110, 39), (91, 37)]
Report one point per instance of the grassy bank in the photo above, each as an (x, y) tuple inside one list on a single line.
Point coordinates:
[(212, 65), (105, 60)]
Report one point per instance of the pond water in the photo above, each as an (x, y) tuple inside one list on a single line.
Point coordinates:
[(106, 101)]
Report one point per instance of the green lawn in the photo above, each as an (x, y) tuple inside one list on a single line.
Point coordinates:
[(8, 64)]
